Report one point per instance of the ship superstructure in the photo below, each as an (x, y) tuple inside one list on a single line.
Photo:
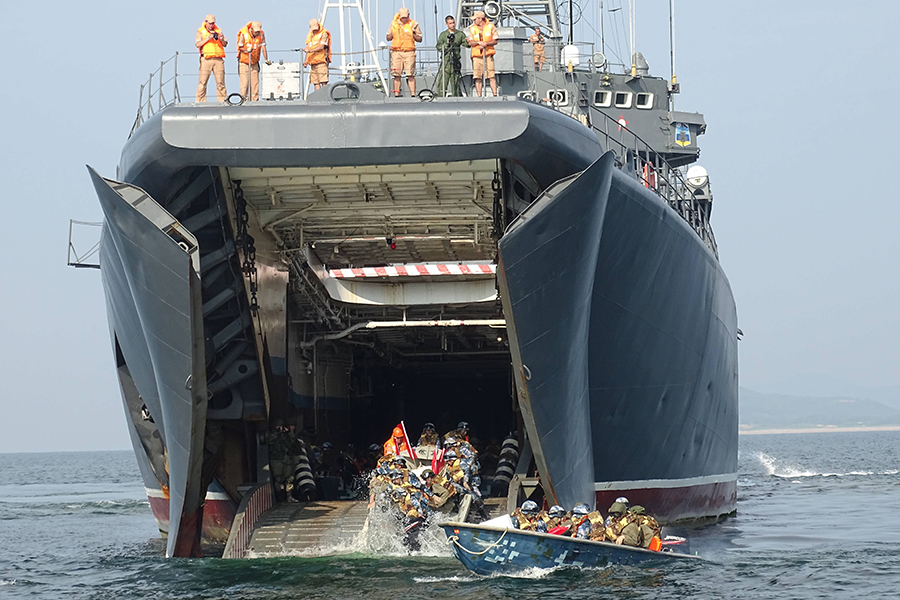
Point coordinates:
[(538, 261)]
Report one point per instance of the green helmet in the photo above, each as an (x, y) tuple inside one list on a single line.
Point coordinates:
[(637, 510), (617, 508)]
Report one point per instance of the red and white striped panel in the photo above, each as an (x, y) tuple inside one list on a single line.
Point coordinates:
[(415, 270)]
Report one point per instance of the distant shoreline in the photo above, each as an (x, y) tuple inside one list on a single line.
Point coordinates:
[(825, 429)]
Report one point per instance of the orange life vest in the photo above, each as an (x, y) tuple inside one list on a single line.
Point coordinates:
[(390, 447), (248, 46), (487, 33), (404, 38), (313, 39), (212, 48)]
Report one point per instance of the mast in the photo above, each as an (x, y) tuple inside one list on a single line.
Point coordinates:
[(369, 62)]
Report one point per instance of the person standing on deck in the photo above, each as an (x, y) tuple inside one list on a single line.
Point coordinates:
[(483, 39), (403, 35), (211, 42), (449, 45), (251, 40), (537, 38), (318, 53)]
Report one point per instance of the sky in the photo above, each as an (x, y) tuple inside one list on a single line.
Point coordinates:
[(799, 100)]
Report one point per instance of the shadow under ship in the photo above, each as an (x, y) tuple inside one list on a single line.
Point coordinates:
[(538, 261)]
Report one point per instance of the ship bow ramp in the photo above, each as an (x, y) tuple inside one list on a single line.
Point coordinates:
[(548, 260), (150, 270)]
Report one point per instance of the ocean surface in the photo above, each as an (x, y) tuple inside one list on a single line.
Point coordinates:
[(818, 517)]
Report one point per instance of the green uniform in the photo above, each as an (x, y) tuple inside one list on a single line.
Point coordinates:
[(449, 45)]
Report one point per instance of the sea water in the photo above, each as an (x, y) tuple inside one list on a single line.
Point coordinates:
[(818, 517)]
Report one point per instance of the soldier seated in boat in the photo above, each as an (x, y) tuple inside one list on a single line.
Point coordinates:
[(437, 490), (640, 529), (559, 521), (526, 518), (429, 435), (585, 521), (460, 433), (609, 517)]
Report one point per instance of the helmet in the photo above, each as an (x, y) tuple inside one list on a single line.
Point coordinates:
[(557, 511), (374, 448), (450, 441), (428, 427), (637, 510), (394, 474), (529, 507), (450, 454), (581, 509), (327, 446), (463, 425), (617, 508), (398, 493), (427, 473), (623, 500), (278, 423), (399, 460), (398, 432)]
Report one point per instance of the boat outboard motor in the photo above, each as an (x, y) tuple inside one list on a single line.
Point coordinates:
[(304, 483), (506, 466)]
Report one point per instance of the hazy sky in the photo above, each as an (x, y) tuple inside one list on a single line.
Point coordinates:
[(799, 98)]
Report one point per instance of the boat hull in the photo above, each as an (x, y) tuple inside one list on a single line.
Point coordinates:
[(492, 550)]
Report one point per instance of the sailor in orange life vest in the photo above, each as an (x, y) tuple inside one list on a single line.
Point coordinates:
[(482, 39), (211, 43), (403, 35), (397, 444), (318, 53), (251, 40)]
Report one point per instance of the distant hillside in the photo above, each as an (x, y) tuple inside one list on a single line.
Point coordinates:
[(776, 411)]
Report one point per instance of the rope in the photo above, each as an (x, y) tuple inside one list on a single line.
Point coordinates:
[(455, 540)]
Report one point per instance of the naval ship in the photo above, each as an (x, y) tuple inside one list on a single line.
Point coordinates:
[(541, 261)]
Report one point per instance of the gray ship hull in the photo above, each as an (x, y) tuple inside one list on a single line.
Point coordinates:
[(630, 351), (626, 342)]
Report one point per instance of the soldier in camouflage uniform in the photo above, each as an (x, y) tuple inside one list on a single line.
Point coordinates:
[(282, 460), (429, 436), (449, 44), (527, 518), (558, 517)]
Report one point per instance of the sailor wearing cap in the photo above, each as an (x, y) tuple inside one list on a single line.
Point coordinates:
[(483, 39), (251, 41), (211, 42), (403, 35)]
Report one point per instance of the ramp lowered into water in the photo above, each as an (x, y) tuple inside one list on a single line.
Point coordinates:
[(307, 527)]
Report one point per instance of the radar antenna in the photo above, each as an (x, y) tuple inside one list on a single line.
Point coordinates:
[(512, 13), (370, 61)]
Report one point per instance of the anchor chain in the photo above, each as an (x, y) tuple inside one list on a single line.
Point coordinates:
[(497, 227), (247, 244)]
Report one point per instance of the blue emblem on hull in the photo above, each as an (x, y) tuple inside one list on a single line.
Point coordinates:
[(682, 134)]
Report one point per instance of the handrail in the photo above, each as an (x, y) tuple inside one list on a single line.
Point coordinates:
[(656, 174), (158, 96), (255, 502)]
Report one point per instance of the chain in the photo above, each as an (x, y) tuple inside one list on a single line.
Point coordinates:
[(247, 245), (497, 228)]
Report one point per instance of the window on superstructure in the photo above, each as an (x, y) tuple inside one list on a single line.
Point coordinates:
[(623, 99), (644, 100), (603, 98)]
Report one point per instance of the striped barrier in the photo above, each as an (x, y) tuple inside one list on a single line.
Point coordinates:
[(255, 502), (415, 270), (304, 482)]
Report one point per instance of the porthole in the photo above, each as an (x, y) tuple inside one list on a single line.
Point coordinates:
[(644, 100), (603, 98), (623, 99)]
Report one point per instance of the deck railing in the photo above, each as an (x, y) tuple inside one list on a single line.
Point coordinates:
[(255, 502), (655, 173)]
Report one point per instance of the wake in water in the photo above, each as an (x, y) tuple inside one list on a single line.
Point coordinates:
[(779, 468)]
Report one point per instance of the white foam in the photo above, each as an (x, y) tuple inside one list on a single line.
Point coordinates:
[(8, 582), (775, 469), (454, 578)]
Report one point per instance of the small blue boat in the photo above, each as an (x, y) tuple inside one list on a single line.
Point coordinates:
[(488, 550)]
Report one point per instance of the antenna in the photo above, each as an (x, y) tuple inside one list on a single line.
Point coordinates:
[(369, 52), (631, 10), (674, 84)]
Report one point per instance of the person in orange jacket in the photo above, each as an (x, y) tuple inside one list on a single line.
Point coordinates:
[(211, 42), (251, 40), (483, 38), (318, 53), (403, 35), (397, 444)]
